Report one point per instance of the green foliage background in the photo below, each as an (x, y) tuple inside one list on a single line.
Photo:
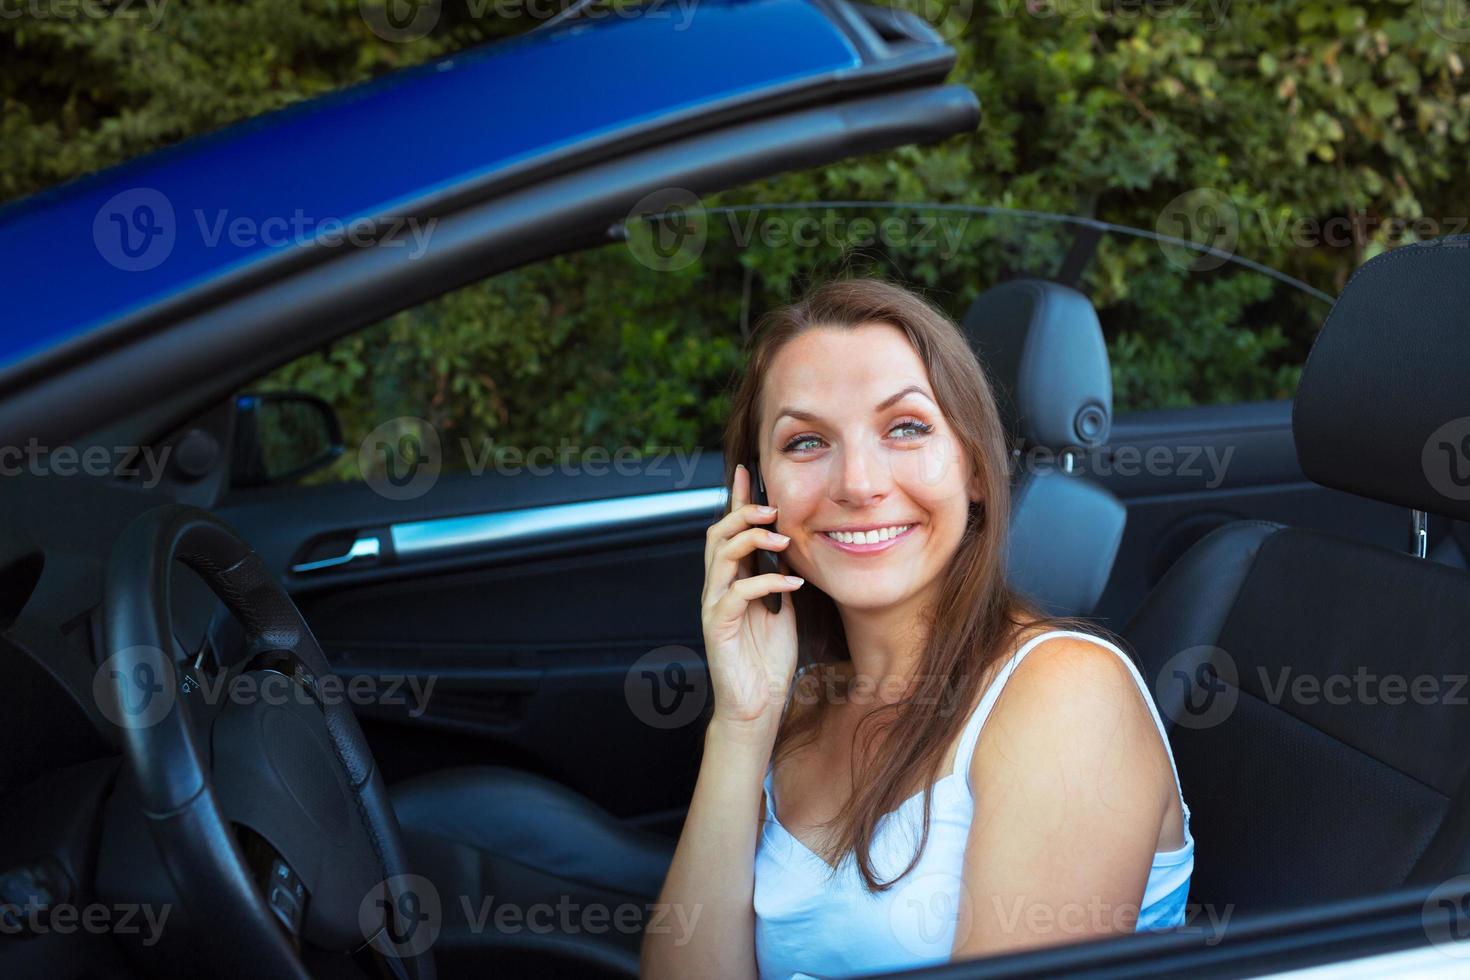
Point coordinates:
[(1294, 114)]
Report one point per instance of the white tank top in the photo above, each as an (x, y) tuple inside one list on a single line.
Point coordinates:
[(810, 923)]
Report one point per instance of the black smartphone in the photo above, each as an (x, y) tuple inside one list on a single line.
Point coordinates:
[(765, 561)]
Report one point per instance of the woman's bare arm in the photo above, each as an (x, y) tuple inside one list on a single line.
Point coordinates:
[(751, 654), (712, 878), (1071, 783)]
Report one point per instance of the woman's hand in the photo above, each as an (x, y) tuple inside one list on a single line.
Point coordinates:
[(752, 655), (751, 651)]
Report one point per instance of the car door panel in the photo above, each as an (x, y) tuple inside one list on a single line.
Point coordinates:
[(509, 634)]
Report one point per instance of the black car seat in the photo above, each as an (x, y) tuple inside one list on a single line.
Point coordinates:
[(1042, 348), (1330, 787), (1454, 548)]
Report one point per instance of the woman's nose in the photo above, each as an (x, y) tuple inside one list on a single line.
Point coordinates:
[(860, 477)]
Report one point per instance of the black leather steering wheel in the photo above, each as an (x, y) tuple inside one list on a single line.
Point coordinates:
[(260, 793)]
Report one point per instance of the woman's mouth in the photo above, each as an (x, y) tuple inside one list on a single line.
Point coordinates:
[(868, 541)]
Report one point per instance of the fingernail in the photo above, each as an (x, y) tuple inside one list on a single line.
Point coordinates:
[(767, 510), (780, 537), (795, 579)]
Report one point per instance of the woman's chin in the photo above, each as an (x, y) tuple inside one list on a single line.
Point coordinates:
[(870, 599)]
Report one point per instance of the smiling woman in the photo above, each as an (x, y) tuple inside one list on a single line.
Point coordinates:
[(880, 445)]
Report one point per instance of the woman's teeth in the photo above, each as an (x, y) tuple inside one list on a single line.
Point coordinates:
[(868, 537)]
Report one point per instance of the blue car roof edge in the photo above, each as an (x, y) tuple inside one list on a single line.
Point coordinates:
[(908, 67), (900, 65), (907, 72), (38, 401), (913, 69)]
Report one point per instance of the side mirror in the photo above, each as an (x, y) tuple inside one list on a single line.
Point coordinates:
[(282, 435)]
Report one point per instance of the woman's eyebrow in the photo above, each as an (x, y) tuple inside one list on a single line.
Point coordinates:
[(882, 406)]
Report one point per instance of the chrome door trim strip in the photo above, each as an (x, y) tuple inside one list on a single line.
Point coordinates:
[(364, 547), (445, 535)]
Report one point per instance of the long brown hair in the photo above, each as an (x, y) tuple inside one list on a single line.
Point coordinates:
[(980, 611)]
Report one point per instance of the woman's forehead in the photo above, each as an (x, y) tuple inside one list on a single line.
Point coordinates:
[(826, 362)]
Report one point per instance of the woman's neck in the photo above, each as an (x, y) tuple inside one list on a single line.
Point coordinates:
[(885, 645)]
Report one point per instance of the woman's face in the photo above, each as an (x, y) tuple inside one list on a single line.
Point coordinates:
[(851, 440)]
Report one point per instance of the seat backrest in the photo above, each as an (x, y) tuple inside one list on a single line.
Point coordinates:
[(1454, 549), (1042, 348), (1316, 685)]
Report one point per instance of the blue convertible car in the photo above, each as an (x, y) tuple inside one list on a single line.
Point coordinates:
[(263, 724)]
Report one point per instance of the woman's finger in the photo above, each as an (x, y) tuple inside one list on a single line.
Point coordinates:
[(732, 605), (729, 565)]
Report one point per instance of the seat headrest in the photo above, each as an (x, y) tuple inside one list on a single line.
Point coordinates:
[(1042, 347), (1383, 406)]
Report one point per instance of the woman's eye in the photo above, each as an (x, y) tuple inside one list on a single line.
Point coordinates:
[(795, 445), (911, 429), (915, 426)]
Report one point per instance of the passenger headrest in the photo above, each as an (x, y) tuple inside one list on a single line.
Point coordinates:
[(1042, 347), (1383, 406)]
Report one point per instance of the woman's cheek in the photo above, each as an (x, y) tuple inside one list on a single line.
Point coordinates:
[(934, 464)]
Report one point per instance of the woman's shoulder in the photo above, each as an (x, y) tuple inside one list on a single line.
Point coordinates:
[(1071, 690), (1069, 668)]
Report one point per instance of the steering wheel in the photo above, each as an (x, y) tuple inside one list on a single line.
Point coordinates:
[(257, 783)]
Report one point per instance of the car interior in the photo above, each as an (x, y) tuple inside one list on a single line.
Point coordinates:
[(497, 641), (1043, 345), (499, 792)]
